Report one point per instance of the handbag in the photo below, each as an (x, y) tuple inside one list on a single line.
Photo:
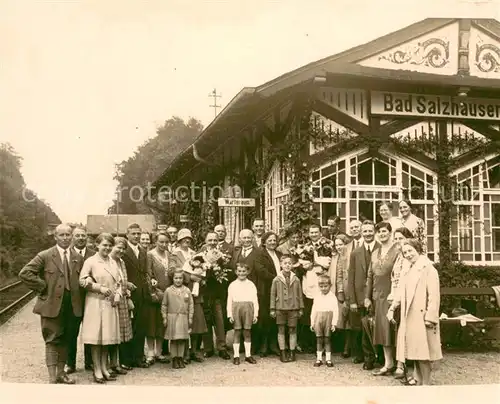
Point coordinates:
[(156, 295)]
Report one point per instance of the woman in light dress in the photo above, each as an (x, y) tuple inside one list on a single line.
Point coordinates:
[(419, 297), (412, 222), (101, 319), (385, 211)]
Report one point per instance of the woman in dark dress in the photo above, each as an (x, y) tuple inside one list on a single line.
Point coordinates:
[(161, 266), (268, 268)]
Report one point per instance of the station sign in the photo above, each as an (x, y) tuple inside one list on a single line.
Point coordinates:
[(236, 202), (435, 106)]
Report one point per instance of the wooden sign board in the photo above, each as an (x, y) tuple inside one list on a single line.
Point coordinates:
[(236, 202), (435, 106), (183, 218), (161, 227)]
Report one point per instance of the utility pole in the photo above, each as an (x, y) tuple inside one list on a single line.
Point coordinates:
[(214, 95)]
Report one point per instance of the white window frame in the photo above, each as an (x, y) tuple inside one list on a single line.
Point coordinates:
[(276, 193), (483, 206)]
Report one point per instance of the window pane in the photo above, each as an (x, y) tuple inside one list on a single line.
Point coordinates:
[(381, 173), (329, 170), (417, 189), (465, 221), (365, 173), (329, 187), (327, 210), (366, 210), (495, 214), (494, 177), (341, 178)]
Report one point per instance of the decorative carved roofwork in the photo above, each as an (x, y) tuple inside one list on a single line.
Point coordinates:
[(484, 55), (435, 52)]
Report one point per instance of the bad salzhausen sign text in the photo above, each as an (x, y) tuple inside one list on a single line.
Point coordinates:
[(437, 106)]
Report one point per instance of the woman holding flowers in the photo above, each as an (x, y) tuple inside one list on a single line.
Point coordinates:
[(101, 321)]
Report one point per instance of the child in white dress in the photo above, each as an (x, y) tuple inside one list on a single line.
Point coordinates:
[(324, 317)]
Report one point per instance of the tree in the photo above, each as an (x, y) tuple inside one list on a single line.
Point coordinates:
[(150, 161), (24, 218)]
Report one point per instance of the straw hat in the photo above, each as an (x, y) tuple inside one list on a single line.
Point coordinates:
[(184, 233)]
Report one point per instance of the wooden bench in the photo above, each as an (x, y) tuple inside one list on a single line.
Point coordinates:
[(467, 292)]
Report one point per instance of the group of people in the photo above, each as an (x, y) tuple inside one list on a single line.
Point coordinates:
[(139, 303)]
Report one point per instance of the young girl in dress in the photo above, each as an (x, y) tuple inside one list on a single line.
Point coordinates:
[(242, 309), (324, 317), (177, 312)]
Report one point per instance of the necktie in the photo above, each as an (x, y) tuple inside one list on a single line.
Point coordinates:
[(246, 251), (66, 270)]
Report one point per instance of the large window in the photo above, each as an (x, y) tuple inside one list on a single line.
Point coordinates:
[(276, 194), (354, 187), (475, 232), (329, 191)]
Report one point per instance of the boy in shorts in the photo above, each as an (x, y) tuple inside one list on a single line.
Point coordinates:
[(287, 306)]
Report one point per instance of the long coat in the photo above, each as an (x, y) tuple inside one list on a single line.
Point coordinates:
[(101, 322), (44, 274), (265, 273), (418, 294)]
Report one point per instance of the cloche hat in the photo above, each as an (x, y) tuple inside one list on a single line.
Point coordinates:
[(184, 233)]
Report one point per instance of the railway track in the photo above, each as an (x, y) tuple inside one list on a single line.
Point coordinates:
[(12, 298)]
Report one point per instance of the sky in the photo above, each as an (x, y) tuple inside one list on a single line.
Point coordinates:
[(84, 83)]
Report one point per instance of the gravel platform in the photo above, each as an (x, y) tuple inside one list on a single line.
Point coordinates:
[(22, 361)]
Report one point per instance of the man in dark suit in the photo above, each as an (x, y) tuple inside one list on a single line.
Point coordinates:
[(359, 262), (258, 228), (214, 306), (222, 244), (79, 247), (250, 255), (54, 275), (135, 259)]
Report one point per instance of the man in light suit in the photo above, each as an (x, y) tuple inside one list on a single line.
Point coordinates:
[(359, 262), (54, 275), (80, 247), (135, 259)]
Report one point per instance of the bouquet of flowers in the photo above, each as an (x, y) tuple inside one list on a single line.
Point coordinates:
[(196, 266), (304, 255), (325, 248), (218, 261)]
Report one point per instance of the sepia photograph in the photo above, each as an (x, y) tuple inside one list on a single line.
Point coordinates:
[(250, 194)]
